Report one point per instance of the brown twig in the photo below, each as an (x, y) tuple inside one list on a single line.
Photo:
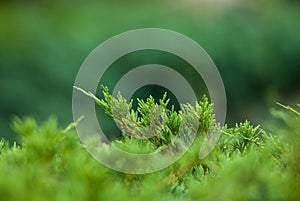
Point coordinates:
[(177, 174)]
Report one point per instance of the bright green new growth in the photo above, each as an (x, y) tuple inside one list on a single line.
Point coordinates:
[(247, 164), (153, 124)]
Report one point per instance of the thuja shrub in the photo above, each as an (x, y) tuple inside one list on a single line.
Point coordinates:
[(50, 163)]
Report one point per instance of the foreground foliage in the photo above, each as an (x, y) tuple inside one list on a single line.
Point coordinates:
[(247, 164)]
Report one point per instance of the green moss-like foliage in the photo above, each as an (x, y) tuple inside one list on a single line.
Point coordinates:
[(50, 163)]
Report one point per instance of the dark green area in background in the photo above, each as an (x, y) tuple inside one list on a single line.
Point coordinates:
[(254, 45)]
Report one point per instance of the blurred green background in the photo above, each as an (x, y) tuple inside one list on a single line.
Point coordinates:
[(255, 46)]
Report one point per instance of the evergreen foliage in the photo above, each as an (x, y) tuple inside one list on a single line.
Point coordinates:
[(248, 163)]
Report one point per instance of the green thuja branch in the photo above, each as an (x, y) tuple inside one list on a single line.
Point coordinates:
[(289, 108), (241, 137), (154, 121), (72, 125)]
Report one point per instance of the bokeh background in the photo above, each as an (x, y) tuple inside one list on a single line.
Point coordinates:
[(254, 44)]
